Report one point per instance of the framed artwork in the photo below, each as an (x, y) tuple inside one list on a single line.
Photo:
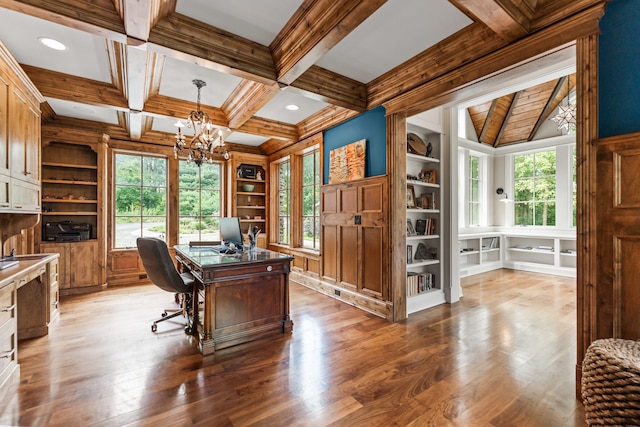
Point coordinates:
[(347, 163), (411, 197), (429, 176)]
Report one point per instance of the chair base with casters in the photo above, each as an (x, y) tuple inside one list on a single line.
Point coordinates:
[(169, 313), (162, 272)]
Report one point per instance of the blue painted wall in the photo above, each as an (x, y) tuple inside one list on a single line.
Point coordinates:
[(371, 126), (619, 69)]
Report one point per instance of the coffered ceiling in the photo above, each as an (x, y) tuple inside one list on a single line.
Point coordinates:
[(129, 64)]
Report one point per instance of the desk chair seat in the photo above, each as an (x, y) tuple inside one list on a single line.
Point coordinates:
[(162, 272)]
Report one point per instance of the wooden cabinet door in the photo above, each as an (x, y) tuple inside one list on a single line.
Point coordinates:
[(4, 128), (32, 145), (618, 237), (83, 267), (18, 109)]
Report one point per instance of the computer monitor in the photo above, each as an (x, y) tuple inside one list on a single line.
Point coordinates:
[(230, 231)]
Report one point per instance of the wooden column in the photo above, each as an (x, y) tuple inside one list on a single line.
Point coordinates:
[(587, 245), (397, 169)]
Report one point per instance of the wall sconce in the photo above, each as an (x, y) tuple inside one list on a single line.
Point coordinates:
[(506, 198)]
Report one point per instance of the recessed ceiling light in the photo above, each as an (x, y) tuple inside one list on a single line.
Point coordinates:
[(292, 107), (52, 43)]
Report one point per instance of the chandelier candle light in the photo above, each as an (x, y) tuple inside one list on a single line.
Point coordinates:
[(206, 140)]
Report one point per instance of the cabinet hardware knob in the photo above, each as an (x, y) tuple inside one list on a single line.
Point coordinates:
[(269, 268), (8, 309), (18, 207)]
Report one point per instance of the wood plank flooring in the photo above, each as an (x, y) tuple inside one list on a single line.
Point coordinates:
[(503, 356)]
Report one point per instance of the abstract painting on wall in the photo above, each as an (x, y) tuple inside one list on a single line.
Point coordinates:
[(347, 163)]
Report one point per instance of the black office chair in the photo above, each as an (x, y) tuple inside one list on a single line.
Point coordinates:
[(162, 272)]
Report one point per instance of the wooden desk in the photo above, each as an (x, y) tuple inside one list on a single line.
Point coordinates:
[(28, 304), (239, 298)]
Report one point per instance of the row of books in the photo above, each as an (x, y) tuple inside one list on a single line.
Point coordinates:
[(426, 227), (418, 283)]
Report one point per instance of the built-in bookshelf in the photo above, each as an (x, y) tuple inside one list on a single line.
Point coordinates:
[(479, 253), (542, 254), (423, 216)]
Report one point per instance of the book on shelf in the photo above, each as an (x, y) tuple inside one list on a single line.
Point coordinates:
[(418, 283), (409, 254), (427, 200), (425, 227)]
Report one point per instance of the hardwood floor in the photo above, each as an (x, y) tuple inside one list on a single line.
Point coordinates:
[(503, 356)]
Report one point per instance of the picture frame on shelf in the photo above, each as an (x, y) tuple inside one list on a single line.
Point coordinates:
[(430, 176), (421, 227), (411, 197), (410, 230)]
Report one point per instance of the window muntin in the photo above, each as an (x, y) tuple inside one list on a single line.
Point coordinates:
[(311, 200), (200, 201), (535, 188), (284, 202), (140, 198), (474, 190)]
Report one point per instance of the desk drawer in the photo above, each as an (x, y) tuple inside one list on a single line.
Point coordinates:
[(244, 270), (8, 302), (8, 350)]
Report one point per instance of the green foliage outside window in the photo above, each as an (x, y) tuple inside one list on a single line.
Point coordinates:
[(199, 201), (535, 188), (311, 200), (474, 190), (140, 198), (284, 211)]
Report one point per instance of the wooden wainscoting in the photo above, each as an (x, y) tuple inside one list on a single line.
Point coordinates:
[(125, 267), (354, 237)]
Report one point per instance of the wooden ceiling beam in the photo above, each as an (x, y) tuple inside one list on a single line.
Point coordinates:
[(140, 16), (316, 27), (332, 88), (172, 108), (509, 19), (444, 57), (77, 89), (547, 108), (246, 100), (270, 128), (98, 17), (324, 119), (514, 101), (459, 84), (189, 40), (487, 120)]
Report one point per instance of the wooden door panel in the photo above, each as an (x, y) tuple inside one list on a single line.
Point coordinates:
[(618, 236), (83, 265), (330, 201), (329, 252), (348, 274), (372, 198), (348, 200), (626, 295), (372, 261)]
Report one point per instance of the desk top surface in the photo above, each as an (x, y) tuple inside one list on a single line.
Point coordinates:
[(207, 256)]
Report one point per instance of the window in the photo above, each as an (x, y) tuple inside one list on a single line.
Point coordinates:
[(535, 188), (474, 190), (284, 205), (140, 198), (311, 200), (574, 190), (200, 201)]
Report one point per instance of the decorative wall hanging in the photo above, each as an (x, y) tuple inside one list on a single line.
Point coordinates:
[(347, 163)]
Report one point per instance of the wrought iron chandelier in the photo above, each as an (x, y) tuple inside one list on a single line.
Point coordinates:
[(206, 140), (566, 117)]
